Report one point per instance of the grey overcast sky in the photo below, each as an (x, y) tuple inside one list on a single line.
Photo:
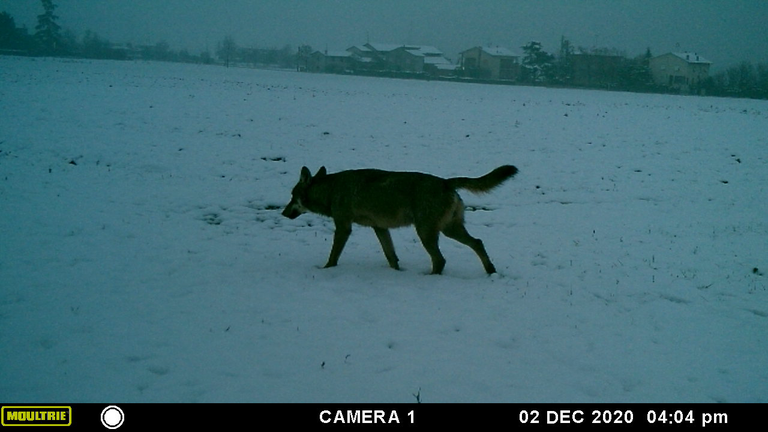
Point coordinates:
[(723, 31)]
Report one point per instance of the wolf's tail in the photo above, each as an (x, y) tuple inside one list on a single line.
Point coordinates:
[(485, 183)]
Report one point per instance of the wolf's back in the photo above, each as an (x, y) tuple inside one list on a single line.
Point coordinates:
[(485, 183)]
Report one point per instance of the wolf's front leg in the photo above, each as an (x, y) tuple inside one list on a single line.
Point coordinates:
[(340, 236), (389, 249)]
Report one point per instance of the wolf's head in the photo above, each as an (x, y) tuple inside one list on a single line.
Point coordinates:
[(300, 193)]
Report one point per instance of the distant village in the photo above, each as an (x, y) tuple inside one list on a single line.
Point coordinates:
[(681, 72), (571, 66)]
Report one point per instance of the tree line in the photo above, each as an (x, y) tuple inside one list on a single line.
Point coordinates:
[(619, 72), (50, 39), (743, 80), (746, 80)]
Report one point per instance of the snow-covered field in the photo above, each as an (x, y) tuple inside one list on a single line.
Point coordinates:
[(143, 257)]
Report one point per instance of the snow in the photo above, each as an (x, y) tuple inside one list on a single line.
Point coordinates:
[(498, 51), (144, 259), (385, 47), (336, 53), (691, 57)]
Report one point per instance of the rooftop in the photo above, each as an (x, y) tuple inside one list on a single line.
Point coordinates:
[(496, 51), (691, 57)]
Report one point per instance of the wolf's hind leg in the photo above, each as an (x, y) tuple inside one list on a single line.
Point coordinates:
[(429, 238), (458, 232)]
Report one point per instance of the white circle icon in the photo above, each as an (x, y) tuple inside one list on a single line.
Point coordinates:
[(112, 417)]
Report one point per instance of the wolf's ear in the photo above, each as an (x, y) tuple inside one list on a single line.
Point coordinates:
[(321, 172), (306, 176)]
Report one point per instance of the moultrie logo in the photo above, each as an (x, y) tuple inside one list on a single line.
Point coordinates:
[(36, 416)]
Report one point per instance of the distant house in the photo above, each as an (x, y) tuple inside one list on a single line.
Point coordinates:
[(361, 51), (365, 58), (680, 71), (406, 58), (403, 59), (595, 69), (330, 61), (495, 63), (382, 55), (439, 66)]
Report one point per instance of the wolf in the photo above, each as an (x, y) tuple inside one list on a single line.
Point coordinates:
[(391, 199)]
